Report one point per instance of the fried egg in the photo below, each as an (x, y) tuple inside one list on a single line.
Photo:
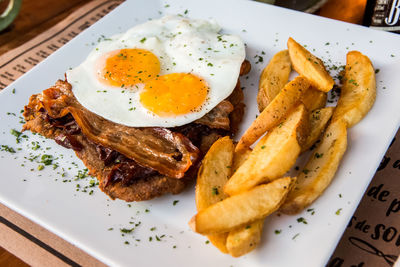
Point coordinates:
[(166, 72)]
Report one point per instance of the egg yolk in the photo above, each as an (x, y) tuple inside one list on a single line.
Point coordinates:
[(174, 94), (127, 67)]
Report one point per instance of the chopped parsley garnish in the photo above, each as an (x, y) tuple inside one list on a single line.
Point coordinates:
[(352, 81), (338, 211), (260, 59), (301, 220), (296, 235), (215, 191), (82, 174), (126, 231), (311, 210), (317, 155), (35, 145), (175, 202), (46, 159), (277, 232), (17, 134), (143, 40), (7, 149)]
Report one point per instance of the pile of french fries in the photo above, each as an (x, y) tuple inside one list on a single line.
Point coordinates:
[(237, 187)]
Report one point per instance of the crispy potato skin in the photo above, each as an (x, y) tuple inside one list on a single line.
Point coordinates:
[(214, 173), (318, 120), (212, 176), (245, 238), (239, 158), (273, 78), (309, 66), (219, 241), (273, 155), (359, 89), (241, 209), (283, 103), (319, 170), (314, 99)]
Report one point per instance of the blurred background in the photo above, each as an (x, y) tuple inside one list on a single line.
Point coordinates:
[(24, 20)]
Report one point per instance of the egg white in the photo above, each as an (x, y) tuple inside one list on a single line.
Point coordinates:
[(181, 45)]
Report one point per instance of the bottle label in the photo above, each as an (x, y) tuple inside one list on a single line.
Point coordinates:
[(386, 15)]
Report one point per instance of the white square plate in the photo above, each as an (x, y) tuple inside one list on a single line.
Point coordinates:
[(84, 220)]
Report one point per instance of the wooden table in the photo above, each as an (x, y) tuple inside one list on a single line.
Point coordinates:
[(38, 16)]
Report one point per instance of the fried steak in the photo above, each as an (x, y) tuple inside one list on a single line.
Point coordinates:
[(132, 164)]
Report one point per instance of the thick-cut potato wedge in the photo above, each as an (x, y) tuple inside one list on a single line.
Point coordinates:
[(273, 155), (242, 209), (244, 239), (359, 89), (219, 241), (239, 157), (318, 121), (273, 78), (283, 103), (309, 66), (214, 173), (313, 99), (319, 170), (212, 176)]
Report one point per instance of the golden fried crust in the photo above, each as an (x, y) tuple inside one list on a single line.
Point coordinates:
[(139, 190), (146, 188)]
